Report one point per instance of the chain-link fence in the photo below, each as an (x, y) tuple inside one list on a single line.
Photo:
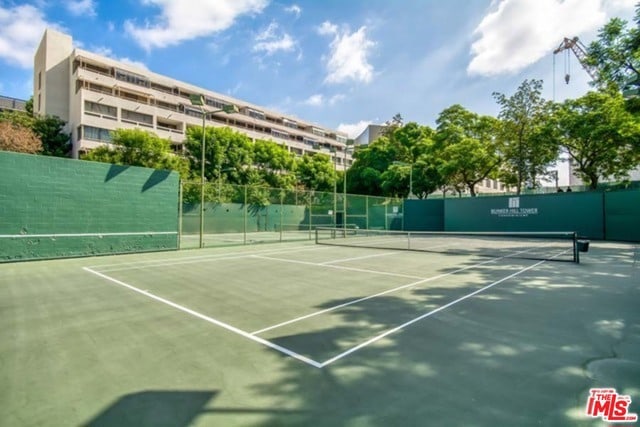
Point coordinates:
[(238, 214)]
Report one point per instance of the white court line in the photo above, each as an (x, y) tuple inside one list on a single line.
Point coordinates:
[(155, 261), (355, 301), (211, 258), (210, 320), (339, 267), (432, 312), (357, 258), (419, 282), (53, 235)]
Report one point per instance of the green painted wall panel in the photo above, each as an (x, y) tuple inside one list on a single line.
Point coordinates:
[(424, 215), (622, 212), (48, 195), (581, 212)]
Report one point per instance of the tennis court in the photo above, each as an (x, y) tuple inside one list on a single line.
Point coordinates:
[(301, 333)]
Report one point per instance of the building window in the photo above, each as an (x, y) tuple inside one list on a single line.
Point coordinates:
[(96, 134), (341, 139), (278, 134), (39, 80), (39, 102), (101, 109), (290, 123), (311, 142), (137, 118), (216, 103), (132, 78), (256, 114), (193, 112), (317, 131)]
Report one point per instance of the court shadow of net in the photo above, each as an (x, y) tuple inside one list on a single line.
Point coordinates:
[(518, 355), (157, 408)]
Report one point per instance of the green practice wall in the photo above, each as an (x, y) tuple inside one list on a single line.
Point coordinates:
[(622, 213), (48, 195), (580, 212), (424, 215)]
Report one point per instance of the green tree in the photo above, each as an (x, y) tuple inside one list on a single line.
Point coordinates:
[(616, 53), (275, 164), (316, 172), (600, 135), (384, 167), (468, 147), (228, 154), (525, 149), (135, 147), (50, 130)]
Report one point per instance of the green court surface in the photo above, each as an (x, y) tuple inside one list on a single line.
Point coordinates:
[(310, 335)]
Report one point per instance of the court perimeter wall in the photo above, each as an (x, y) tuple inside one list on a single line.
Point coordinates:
[(611, 215), (52, 207)]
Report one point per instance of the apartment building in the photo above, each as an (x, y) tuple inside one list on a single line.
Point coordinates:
[(96, 95)]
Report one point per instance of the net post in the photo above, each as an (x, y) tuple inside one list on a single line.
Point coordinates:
[(409, 240), (576, 252), (316, 235)]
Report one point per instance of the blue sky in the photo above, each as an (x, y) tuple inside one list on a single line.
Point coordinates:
[(338, 63)]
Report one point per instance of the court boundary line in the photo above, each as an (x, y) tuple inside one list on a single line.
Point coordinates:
[(430, 313), (216, 322), (194, 260), (54, 235), (188, 258), (358, 300), (423, 316), (357, 258), (339, 267)]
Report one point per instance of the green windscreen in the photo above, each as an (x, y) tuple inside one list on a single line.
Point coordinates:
[(622, 213), (580, 212), (52, 207)]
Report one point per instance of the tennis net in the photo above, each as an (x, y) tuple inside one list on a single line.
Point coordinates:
[(555, 246)]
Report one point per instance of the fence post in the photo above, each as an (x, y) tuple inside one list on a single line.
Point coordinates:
[(244, 241), (179, 214)]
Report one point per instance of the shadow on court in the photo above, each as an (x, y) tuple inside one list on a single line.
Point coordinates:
[(522, 353)]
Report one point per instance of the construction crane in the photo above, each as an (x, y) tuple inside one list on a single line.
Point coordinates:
[(580, 51)]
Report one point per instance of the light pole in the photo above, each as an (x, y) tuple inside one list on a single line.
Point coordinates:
[(335, 187), (344, 182), (198, 100), (410, 176)]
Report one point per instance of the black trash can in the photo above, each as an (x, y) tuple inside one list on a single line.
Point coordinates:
[(583, 246)]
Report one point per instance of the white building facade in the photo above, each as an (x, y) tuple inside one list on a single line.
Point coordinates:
[(96, 95)]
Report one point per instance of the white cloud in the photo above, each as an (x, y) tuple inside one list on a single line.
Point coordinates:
[(353, 130), (21, 29), (105, 51), (270, 42), (319, 100), (294, 9), (349, 52), (517, 33), (315, 100), (179, 22), (81, 7)]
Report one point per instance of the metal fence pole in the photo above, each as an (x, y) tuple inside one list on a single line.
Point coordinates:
[(245, 216)]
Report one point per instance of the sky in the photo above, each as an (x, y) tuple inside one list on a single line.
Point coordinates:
[(339, 63)]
